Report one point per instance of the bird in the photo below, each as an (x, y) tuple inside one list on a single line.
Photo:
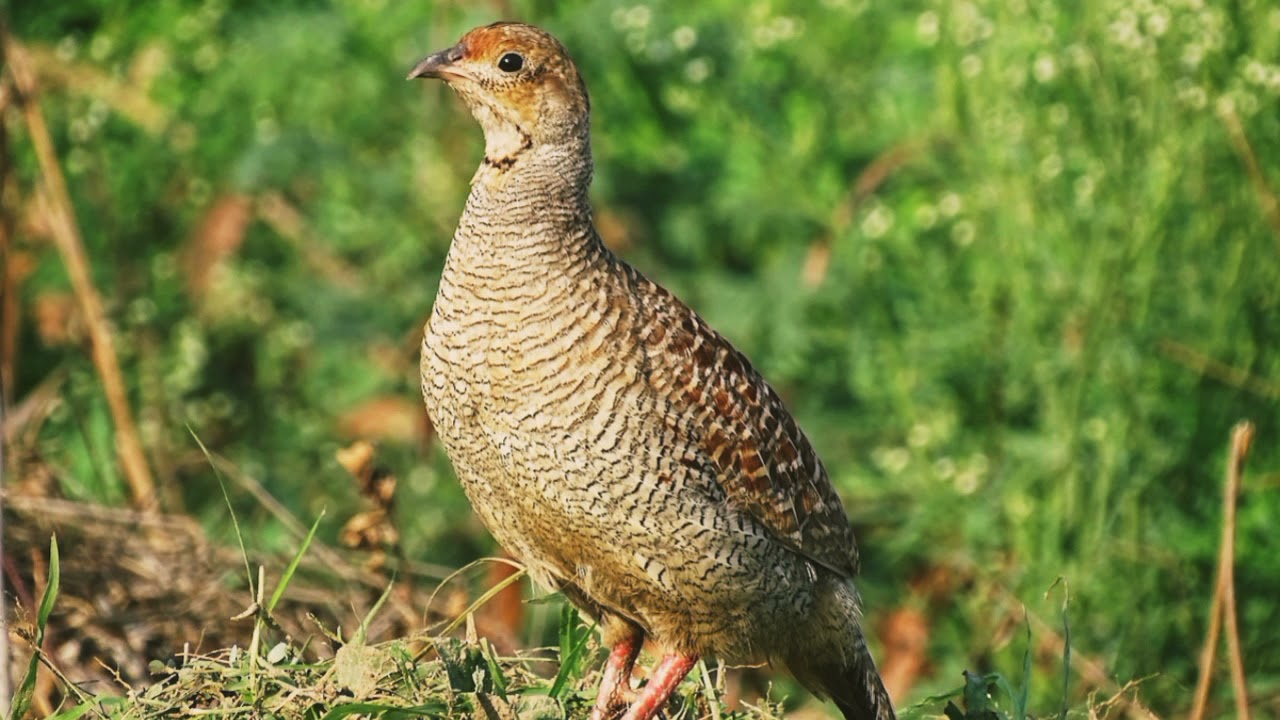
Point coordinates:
[(611, 440)]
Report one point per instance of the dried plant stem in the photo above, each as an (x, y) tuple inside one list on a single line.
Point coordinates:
[(818, 259), (1266, 197), (1222, 610), (1241, 439), (5, 692), (1204, 365), (56, 204), (14, 265)]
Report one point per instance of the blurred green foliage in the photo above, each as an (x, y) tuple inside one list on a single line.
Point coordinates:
[(1004, 259)]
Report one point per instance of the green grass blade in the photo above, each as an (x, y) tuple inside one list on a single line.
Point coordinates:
[(361, 633), (708, 689), (486, 597), (495, 669), (50, 590), (1066, 654), (75, 712), (570, 650), (1024, 694), (568, 620), (293, 564), (22, 698), (235, 522)]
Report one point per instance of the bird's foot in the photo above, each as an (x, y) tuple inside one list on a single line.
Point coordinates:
[(615, 689), (666, 677)]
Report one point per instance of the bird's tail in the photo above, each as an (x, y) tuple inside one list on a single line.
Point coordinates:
[(858, 691), (853, 684), (834, 661)]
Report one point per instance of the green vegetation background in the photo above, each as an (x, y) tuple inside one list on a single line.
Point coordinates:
[(1004, 260)]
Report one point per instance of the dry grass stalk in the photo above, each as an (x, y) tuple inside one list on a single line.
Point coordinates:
[(1222, 610), (1266, 197), (129, 99), (864, 186), (15, 266), (66, 237), (1202, 364), (281, 216)]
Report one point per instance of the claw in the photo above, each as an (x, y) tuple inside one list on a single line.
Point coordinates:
[(615, 688), (658, 691)]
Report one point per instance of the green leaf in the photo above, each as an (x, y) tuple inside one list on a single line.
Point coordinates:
[(495, 669), (22, 698), (1020, 704), (74, 712), (362, 631), (453, 655), (235, 522), (977, 696), (51, 590), (293, 564), (571, 646)]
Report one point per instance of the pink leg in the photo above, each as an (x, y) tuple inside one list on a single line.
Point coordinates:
[(664, 681), (616, 684)]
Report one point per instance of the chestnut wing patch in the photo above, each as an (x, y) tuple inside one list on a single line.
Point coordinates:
[(762, 460)]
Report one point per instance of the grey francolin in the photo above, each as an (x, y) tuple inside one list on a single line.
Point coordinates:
[(624, 451)]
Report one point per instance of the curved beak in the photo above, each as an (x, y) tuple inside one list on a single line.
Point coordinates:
[(439, 65)]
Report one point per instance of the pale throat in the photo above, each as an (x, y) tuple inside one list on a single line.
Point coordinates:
[(504, 140)]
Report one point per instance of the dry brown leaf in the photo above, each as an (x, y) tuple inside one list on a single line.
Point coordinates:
[(33, 221), (392, 358), (58, 319), (357, 459), (906, 643), (614, 229), (284, 218), (816, 262), (218, 236), (17, 266), (369, 530), (376, 483), (937, 583), (388, 417)]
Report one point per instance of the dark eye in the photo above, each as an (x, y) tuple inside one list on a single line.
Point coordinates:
[(510, 62)]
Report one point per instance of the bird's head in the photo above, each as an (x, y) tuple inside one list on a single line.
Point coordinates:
[(519, 83)]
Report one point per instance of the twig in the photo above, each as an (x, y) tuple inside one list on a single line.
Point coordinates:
[(1204, 365), (5, 692), (289, 223), (14, 265), (8, 336), (1241, 439), (1266, 197), (1223, 606), (842, 216), (126, 98), (66, 236), (255, 642)]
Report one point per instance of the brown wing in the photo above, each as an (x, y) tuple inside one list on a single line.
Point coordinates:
[(760, 457)]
